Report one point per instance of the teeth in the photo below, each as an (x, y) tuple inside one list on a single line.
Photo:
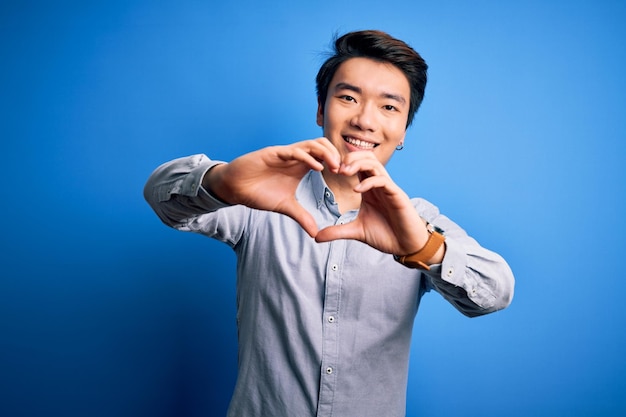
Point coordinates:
[(359, 143)]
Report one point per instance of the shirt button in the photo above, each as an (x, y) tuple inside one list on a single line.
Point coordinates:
[(329, 370), (327, 194), (334, 267), (450, 271), (331, 319)]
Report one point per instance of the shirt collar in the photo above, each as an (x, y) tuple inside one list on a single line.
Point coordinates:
[(325, 197), (320, 189)]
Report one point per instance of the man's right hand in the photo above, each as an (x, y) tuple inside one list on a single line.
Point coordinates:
[(267, 179)]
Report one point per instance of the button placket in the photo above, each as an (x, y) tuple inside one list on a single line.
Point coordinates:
[(330, 331)]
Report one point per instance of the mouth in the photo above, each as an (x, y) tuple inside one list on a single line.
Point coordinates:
[(359, 143)]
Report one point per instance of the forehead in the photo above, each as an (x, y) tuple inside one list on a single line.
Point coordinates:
[(372, 77)]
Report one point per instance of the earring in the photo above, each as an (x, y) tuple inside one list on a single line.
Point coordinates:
[(400, 146)]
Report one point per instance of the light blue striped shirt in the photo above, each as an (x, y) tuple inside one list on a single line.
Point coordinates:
[(324, 328)]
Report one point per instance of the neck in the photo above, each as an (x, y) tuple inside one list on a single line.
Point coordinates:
[(343, 189)]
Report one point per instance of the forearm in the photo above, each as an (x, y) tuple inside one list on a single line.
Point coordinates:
[(175, 190), (213, 182), (473, 279)]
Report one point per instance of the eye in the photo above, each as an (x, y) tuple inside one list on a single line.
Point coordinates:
[(347, 98), (390, 107)]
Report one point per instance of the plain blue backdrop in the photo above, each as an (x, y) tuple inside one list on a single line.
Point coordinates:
[(104, 311)]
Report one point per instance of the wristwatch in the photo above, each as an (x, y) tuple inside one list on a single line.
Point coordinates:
[(419, 258)]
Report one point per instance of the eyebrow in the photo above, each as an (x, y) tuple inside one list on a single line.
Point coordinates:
[(350, 87)]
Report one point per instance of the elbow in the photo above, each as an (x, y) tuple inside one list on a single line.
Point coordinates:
[(500, 297), (160, 203), (485, 293), (506, 288)]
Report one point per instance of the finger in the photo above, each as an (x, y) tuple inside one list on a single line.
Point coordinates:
[(356, 165), (360, 155), (314, 153), (305, 156), (303, 217), (370, 183), (344, 231), (324, 150)]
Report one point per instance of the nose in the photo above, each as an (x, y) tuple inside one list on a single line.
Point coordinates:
[(365, 117)]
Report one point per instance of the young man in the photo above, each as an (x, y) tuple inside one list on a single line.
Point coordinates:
[(333, 257)]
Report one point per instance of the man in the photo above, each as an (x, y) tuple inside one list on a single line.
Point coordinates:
[(333, 257)]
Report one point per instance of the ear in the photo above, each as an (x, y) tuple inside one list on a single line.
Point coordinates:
[(320, 114)]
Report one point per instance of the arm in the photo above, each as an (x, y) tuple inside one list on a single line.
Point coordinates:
[(174, 190), (265, 179), (475, 280)]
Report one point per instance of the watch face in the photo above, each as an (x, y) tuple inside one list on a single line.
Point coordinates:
[(432, 228)]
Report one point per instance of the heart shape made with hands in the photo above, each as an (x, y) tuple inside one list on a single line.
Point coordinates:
[(267, 179)]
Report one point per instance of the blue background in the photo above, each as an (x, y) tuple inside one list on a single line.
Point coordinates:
[(106, 312)]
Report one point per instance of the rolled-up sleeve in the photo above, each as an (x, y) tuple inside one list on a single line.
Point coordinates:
[(175, 193), (475, 280)]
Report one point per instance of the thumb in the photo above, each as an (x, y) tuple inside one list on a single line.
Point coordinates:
[(343, 231)]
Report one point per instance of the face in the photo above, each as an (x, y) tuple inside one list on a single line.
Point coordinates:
[(366, 108)]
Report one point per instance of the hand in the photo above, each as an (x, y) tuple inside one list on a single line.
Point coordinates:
[(267, 179), (387, 220)]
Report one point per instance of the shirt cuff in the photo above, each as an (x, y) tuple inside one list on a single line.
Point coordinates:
[(456, 270), (189, 184)]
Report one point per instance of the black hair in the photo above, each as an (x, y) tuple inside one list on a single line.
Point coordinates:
[(382, 47)]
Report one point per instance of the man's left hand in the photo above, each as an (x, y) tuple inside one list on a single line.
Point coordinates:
[(387, 220)]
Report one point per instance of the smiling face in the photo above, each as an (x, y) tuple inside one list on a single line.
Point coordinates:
[(366, 108)]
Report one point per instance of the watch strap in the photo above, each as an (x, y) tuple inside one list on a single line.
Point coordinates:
[(419, 258)]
